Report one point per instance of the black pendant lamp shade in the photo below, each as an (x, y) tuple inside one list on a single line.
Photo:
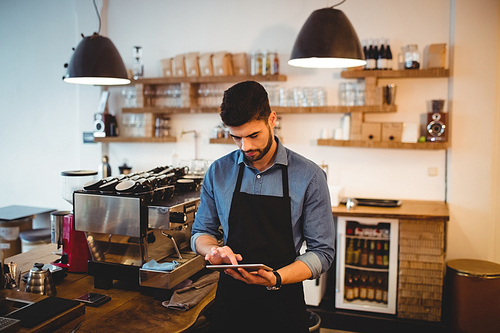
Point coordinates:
[(96, 61), (327, 40)]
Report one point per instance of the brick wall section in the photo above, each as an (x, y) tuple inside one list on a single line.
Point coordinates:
[(421, 269)]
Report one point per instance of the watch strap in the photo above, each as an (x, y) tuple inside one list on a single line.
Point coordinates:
[(278, 281)]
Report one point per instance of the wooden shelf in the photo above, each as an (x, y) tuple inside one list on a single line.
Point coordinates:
[(222, 140), (135, 139), (336, 109), (397, 74), (209, 79), (172, 110), (278, 109), (385, 144)]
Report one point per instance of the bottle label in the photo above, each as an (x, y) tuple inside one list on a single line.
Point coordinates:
[(362, 293), (349, 294), (371, 64), (370, 294), (381, 63)]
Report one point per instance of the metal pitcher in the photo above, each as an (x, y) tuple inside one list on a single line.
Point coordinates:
[(40, 281)]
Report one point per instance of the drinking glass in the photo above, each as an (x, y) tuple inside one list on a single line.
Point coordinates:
[(342, 94), (298, 96)]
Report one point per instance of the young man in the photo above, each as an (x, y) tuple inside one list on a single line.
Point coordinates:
[(268, 200)]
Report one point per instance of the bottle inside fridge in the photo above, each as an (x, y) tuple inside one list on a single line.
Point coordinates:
[(367, 261)]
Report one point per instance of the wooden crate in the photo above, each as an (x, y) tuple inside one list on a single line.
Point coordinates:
[(371, 131)]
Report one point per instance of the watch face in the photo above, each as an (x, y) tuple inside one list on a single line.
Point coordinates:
[(273, 288)]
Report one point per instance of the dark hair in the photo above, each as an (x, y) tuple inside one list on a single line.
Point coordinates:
[(244, 102)]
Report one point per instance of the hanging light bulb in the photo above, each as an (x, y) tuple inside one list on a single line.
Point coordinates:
[(96, 61), (327, 40)]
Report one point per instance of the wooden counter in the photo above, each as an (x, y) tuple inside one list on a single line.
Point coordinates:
[(128, 310), (409, 209)]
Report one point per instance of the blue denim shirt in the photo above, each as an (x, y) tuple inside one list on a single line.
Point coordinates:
[(312, 218)]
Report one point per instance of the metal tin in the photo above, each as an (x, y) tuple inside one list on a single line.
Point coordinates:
[(475, 268)]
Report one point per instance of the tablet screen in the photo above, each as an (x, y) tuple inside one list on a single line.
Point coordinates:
[(248, 267)]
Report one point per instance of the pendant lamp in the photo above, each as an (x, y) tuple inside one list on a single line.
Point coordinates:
[(96, 61), (327, 40)]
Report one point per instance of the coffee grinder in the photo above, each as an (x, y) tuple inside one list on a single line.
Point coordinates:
[(75, 249)]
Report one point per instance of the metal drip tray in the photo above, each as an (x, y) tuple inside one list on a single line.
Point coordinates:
[(190, 264)]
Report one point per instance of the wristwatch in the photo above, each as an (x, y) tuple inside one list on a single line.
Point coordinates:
[(278, 282)]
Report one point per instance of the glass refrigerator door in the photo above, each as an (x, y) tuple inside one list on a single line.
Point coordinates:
[(367, 264)]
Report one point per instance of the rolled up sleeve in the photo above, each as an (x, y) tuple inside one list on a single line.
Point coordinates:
[(318, 226)]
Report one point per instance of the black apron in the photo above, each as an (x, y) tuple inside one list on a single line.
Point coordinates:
[(260, 229)]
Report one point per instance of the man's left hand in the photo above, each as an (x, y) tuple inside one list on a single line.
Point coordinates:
[(260, 277)]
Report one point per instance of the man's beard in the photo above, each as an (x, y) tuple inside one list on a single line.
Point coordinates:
[(260, 152)]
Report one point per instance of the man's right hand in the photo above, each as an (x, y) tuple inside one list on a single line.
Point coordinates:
[(222, 255)]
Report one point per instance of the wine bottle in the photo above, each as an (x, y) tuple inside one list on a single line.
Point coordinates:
[(382, 56), (389, 54), (375, 55), (365, 51), (370, 62)]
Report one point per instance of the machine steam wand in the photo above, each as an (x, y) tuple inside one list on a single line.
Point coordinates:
[(175, 243)]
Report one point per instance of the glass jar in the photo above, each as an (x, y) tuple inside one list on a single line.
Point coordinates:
[(412, 57)]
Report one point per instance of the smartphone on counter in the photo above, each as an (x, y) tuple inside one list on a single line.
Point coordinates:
[(93, 299)]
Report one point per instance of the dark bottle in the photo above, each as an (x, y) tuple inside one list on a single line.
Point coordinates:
[(378, 254), (385, 290), (365, 52), (364, 254), (349, 292), (379, 288), (349, 252), (389, 54), (370, 60), (385, 255), (105, 168), (371, 254), (357, 253), (355, 287), (370, 288), (374, 55), (363, 287), (382, 56)]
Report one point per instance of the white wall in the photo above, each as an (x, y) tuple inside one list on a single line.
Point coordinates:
[(43, 118)]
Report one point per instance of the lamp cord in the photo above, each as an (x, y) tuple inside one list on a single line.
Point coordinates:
[(338, 4), (99, 17)]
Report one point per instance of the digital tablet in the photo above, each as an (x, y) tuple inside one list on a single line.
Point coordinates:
[(248, 267)]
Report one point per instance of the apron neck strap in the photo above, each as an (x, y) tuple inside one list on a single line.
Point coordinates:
[(284, 176)]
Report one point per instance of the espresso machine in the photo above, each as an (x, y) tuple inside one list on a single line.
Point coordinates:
[(139, 218)]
